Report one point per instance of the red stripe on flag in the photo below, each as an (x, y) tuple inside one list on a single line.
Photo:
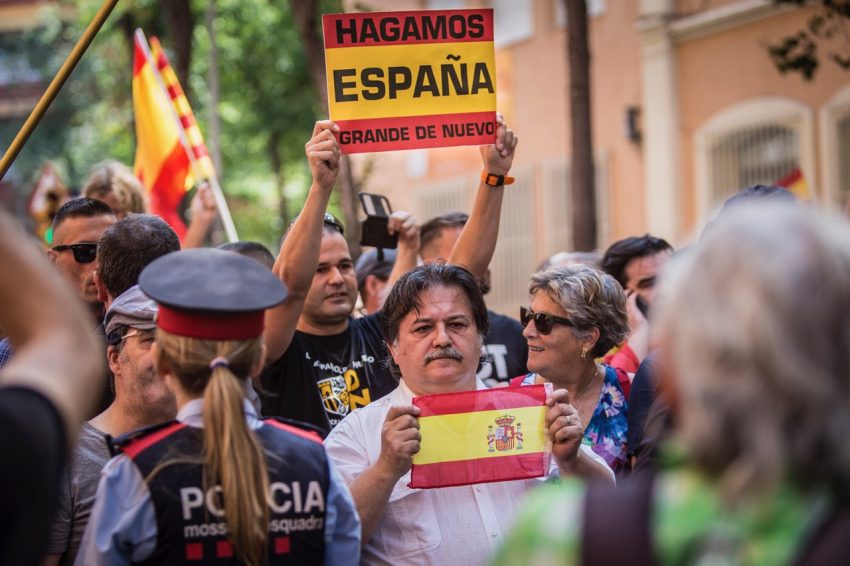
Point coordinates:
[(139, 58), (169, 189), (416, 132), (790, 178), (186, 121), (498, 399), (479, 470), (173, 91), (404, 25), (200, 151)]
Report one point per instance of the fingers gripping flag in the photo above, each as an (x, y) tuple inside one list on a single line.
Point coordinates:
[(481, 436), (162, 163)]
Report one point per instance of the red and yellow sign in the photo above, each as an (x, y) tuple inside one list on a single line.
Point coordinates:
[(481, 436), (409, 80)]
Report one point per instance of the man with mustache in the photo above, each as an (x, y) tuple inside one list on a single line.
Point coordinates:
[(434, 323)]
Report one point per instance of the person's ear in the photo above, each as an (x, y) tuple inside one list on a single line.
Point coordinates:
[(112, 356), (592, 339), (51, 255), (102, 295), (391, 350)]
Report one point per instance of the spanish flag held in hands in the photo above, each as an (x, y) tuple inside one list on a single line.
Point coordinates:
[(161, 163), (489, 435)]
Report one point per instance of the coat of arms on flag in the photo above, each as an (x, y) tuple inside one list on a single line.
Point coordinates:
[(489, 435), (506, 436)]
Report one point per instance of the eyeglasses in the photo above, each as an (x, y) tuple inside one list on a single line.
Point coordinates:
[(543, 321), (83, 253)]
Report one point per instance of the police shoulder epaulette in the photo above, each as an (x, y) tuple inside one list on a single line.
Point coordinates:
[(119, 444), (306, 429)]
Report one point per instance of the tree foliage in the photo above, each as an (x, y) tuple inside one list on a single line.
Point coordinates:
[(826, 34), (267, 103)]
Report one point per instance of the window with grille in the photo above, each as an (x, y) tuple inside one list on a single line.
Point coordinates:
[(759, 154)]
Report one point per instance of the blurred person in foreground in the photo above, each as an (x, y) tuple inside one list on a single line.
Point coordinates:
[(754, 365), (45, 391)]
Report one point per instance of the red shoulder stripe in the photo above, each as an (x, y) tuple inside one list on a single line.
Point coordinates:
[(309, 435), (137, 446)]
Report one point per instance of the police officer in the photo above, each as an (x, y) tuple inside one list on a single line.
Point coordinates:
[(218, 485)]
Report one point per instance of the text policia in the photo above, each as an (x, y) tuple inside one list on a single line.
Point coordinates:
[(406, 80)]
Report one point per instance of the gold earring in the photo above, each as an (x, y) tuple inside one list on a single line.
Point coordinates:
[(583, 352)]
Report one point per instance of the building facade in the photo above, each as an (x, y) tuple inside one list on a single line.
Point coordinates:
[(687, 108)]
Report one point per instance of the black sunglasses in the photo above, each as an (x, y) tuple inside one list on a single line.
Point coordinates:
[(83, 253), (543, 321)]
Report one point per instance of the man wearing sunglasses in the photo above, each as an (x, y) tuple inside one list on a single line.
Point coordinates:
[(78, 226)]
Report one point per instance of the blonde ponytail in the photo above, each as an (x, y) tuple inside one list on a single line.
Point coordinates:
[(233, 456)]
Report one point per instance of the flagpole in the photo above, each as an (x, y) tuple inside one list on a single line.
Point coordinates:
[(55, 86), (223, 210)]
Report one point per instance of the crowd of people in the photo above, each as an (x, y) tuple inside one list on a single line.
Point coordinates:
[(164, 405)]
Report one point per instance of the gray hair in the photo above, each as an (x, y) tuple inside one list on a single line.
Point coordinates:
[(591, 298), (755, 338)]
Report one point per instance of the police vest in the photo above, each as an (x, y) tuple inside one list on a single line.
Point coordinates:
[(189, 516)]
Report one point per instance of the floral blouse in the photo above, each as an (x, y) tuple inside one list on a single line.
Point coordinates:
[(606, 431)]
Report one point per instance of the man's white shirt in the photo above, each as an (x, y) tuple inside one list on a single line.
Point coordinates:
[(451, 525)]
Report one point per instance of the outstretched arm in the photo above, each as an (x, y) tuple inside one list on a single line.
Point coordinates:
[(477, 242), (56, 350), (299, 253)]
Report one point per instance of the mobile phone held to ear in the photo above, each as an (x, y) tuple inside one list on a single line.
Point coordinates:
[(373, 231)]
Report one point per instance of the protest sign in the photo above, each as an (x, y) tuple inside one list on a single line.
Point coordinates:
[(481, 436), (409, 80)]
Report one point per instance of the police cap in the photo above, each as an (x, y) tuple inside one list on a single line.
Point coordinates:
[(211, 294)]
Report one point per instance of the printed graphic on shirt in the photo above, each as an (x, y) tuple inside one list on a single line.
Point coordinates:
[(495, 372), (296, 508), (344, 390)]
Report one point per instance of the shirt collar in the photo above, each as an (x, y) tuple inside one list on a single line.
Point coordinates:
[(192, 413)]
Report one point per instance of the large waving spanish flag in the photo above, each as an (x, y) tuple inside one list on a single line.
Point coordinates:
[(489, 435), (162, 163)]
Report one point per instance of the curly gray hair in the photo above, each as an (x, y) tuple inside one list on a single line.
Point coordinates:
[(592, 299)]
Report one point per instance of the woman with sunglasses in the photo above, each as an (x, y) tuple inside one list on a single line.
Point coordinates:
[(219, 484), (577, 314)]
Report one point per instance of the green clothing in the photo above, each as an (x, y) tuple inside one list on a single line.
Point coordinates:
[(690, 525)]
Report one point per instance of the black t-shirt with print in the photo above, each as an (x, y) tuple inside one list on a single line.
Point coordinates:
[(508, 348), (321, 379)]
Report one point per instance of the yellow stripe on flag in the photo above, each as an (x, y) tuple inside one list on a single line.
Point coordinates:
[(430, 55), (464, 436)]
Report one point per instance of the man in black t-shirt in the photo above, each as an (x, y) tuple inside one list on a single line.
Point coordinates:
[(324, 362)]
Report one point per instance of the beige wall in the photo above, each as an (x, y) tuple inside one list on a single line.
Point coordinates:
[(717, 59), (732, 66)]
